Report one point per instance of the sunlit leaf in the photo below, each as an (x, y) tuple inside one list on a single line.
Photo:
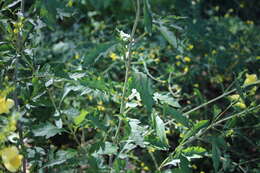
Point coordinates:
[(160, 130), (47, 130)]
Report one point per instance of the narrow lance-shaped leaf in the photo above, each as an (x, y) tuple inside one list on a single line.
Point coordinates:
[(177, 116), (195, 129), (215, 156), (160, 130), (168, 35), (148, 20)]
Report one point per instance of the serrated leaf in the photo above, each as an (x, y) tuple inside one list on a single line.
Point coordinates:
[(160, 130), (144, 86), (137, 132), (148, 20), (168, 35), (108, 149), (194, 150), (61, 157), (80, 118), (47, 130), (177, 116), (68, 89)]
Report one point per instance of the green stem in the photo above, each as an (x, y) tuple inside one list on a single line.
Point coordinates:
[(19, 49), (127, 66), (213, 100)]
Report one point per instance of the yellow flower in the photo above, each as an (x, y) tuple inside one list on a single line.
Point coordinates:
[(157, 60), (11, 158), (249, 22), (90, 97), (234, 97), (146, 168), (101, 108), (214, 52), (77, 56), (70, 4), (250, 78), (194, 166), (16, 30), (226, 15), (5, 105), (113, 56), (151, 150), (187, 59), (239, 103), (190, 47), (178, 57), (186, 69)]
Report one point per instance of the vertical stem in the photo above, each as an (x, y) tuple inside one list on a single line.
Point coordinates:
[(128, 66), (19, 48)]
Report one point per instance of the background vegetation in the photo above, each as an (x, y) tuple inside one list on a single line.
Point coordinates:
[(129, 86)]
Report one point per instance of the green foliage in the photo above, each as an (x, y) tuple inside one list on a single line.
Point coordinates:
[(180, 95)]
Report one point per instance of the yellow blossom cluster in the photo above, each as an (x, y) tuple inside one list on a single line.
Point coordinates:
[(100, 106), (144, 167), (250, 78), (239, 102), (18, 26)]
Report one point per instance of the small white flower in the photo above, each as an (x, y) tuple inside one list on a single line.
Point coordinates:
[(131, 105), (124, 36), (156, 97), (135, 94)]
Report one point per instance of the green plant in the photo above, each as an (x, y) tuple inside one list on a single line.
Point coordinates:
[(80, 91)]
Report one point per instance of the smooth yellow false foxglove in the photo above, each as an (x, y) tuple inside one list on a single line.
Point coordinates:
[(5, 105), (11, 158)]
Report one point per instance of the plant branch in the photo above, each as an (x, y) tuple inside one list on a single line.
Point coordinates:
[(127, 66), (214, 100)]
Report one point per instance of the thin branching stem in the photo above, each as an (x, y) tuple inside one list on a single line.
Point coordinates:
[(127, 66), (213, 100)]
